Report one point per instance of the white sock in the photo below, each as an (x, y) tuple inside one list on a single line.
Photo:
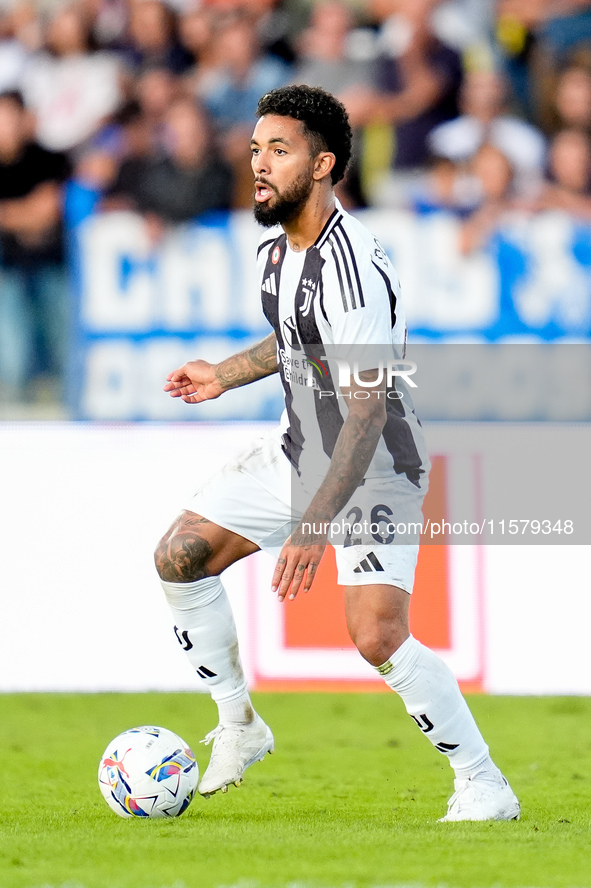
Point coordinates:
[(205, 628), (433, 699)]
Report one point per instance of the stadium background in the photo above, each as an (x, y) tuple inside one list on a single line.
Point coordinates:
[(95, 460)]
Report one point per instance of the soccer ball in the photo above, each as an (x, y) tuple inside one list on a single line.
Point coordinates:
[(148, 772)]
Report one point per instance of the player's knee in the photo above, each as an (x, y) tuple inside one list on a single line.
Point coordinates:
[(377, 643), (182, 560), (372, 647)]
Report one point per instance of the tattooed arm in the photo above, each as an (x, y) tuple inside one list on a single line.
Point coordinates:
[(354, 449), (198, 381), (353, 452)]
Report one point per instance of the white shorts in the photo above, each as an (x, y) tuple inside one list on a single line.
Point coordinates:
[(375, 536)]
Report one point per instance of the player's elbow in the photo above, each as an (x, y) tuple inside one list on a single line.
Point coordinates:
[(369, 408)]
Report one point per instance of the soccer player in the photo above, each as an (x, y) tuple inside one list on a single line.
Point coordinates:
[(325, 283)]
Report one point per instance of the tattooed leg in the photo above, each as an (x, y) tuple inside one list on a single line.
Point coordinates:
[(194, 548), (188, 559), (182, 554)]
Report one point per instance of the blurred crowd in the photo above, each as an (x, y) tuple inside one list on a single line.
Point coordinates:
[(470, 106)]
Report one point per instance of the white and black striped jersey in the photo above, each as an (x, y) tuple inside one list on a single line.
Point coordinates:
[(341, 292)]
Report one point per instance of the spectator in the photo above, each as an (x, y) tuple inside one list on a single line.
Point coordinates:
[(137, 139), (196, 24), (71, 89), (129, 142), (418, 81), (325, 58), (156, 88), (276, 21), (329, 58), (494, 178), (93, 173), (153, 39), (243, 75), (109, 20), (276, 26), (570, 171), (127, 135), (538, 36), (19, 37), (572, 97), (444, 187), (483, 119), (197, 28), (186, 182), (561, 26), (33, 292), (467, 25)]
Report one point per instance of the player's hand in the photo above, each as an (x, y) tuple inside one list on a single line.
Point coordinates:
[(297, 563), (194, 382)]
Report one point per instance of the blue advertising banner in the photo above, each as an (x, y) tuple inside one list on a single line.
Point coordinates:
[(142, 310)]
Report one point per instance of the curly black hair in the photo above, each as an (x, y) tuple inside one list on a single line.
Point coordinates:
[(325, 120)]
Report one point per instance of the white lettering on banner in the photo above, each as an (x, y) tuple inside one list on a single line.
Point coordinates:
[(117, 278), (202, 279), (124, 381), (195, 286), (194, 280), (442, 288), (557, 287)]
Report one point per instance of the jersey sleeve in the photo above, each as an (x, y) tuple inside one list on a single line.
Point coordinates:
[(362, 297)]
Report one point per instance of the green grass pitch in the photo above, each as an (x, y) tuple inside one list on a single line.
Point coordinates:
[(350, 798)]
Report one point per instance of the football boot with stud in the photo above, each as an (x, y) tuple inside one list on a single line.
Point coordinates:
[(235, 748), (482, 797)]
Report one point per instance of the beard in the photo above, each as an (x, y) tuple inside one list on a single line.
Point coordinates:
[(287, 206)]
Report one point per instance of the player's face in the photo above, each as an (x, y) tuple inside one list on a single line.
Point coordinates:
[(283, 170)]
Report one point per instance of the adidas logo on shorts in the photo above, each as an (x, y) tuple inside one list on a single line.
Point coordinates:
[(369, 564)]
